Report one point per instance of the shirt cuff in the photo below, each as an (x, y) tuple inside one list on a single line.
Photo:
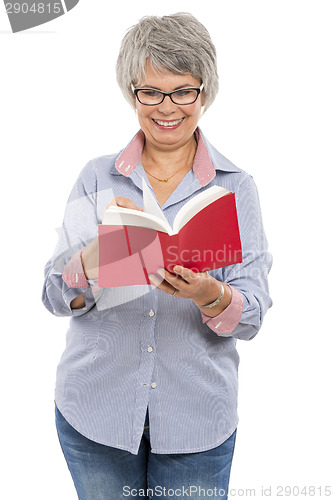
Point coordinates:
[(73, 274), (225, 322)]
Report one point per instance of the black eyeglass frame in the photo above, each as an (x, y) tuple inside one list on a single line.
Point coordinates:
[(169, 94)]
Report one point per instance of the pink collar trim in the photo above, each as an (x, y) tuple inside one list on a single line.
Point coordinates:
[(203, 167)]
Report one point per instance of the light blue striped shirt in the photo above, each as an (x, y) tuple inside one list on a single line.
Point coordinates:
[(135, 348)]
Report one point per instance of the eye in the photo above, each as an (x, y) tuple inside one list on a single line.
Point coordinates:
[(150, 93), (183, 92)]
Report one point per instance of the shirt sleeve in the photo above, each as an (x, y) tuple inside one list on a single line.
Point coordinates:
[(248, 280), (79, 227), (225, 322), (73, 273)]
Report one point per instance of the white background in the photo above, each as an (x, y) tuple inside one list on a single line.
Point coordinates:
[(60, 107)]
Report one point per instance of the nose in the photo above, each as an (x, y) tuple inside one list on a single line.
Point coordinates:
[(167, 106)]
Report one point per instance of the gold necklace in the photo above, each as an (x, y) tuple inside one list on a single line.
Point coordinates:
[(166, 178)]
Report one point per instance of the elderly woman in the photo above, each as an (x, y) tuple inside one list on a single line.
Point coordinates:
[(146, 393)]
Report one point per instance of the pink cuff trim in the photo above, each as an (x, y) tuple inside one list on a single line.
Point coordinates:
[(73, 273), (225, 322)]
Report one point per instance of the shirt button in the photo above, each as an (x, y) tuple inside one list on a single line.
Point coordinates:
[(151, 313), (150, 349), (153, 385)]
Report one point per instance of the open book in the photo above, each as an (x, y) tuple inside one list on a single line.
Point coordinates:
[(133, 244)]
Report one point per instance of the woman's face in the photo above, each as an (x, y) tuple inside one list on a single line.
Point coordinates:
[(164, 136)]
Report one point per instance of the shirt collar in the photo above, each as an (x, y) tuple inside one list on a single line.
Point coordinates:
[(207, 160)]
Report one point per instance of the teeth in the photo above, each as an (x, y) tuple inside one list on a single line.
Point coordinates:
[(168, 124)]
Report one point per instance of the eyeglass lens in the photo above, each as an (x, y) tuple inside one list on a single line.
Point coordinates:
[(151, 96)]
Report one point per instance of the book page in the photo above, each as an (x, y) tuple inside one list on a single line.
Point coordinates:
[(150, 205), (119, 216), (196, 204)]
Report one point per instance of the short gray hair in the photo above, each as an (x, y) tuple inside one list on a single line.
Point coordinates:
[(178, 43)]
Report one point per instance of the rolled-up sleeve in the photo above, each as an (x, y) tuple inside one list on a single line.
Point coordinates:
[(79, 227), (243, 318), (73, 273), (225, 322)]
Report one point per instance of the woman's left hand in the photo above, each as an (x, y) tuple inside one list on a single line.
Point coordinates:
[(200, 287)]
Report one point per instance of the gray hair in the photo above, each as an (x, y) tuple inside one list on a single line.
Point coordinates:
[(178, 43)]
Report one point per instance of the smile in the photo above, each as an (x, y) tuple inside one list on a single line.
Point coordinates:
[(168, 124)]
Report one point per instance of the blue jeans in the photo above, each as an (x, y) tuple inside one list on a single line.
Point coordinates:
[(104, 473)]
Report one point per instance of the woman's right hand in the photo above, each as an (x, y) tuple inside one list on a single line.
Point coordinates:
[(121, 201), (89, 255)]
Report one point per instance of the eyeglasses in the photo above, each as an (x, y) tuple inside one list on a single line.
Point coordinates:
[(182, 97)]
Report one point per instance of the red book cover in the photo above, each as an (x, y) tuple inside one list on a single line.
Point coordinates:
[(209, 240)]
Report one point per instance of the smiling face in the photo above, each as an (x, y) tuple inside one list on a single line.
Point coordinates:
[(168, 126)]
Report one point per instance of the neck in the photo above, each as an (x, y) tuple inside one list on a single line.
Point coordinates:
[(165, 162)]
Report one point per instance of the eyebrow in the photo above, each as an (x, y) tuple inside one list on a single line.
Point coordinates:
[(186, 85)]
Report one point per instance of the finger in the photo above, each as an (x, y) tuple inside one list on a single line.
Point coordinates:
[(123, 202), (156, 280), (174, 280), (161, 284), (126, 203), (187, 274)]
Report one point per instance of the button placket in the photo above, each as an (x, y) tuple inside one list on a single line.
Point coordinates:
[(147, 358)]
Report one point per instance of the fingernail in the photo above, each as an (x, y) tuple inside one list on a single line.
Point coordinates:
[(161, 272), (153, 279)]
